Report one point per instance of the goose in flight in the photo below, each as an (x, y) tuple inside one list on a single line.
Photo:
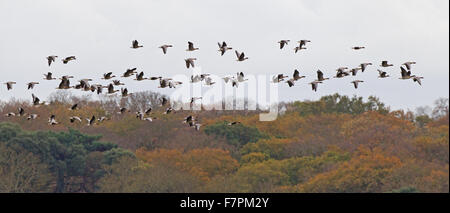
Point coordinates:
[(124, 92), (148, 111), (240, 77), (240, 56), (190, 62), (302, 44), (195, 79), (48, 76), (405, 74), (341, 74), (191, 47), (283, 43), (108, 76), (315, 84), (296, 76), (382, 74), (354, 71), (135, 45), (278, 78), (30, 85), (67, 59), (36, 100), (320, 76), (74, 107), (32, 117), (117, 83), (364, 66), (9, 84), (91, 121), (386, 64), (10, 114), (64, 84), (165, 47), (209, 81), (417, 79), (174, 84), (21, 111), (140, 77), (358, 48), (223, 48), (291, 82), (129, 72), (189, 119), (164, 82), (168, 110), (164, 101), (123, 110), (52, 120), (101, 119), (356, 82), (408, 64), (111, 89), (72, 119), (51, 59), (228, 78)]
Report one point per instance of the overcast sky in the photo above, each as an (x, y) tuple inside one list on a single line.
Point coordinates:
[(99, 33)]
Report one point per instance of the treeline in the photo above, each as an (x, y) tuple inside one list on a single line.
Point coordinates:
[(335, 144)]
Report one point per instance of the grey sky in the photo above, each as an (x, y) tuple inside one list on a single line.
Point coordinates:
[(100, 32)]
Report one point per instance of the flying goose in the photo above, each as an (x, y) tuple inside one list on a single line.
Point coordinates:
[(129, 72), (99, 89), (108, 76), (354, 71), (223, 48), (173, 84), (320, 76), (240, 77), (189, 119), (278, 78), (74, 107), (72, 119), (190, 62), (30, 85), (228, 78), (165, 47), (291, 82), (124, 92), (91, 121), (36, 100), (148, 111), (234, 83), (386, 64), (417, 79), (405, 74), (209, 81), (64, 84), (21, 111), (382, 74), (101, 119), (51, 59), (117, 83), (315, 84), (32, 117), (302, 43), (195, 79), (52, 120), (191, 47), (48, 76), (168, 110), (341, 74), (283, 43), (67, 59), (140, 77), (123, 110), (164, 101), (296, 76), (135, 45), (364, 66), (10, 84), (358, 48), (10, 114), (408, 64), (111, 89), (356, 82), (240, 56)]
